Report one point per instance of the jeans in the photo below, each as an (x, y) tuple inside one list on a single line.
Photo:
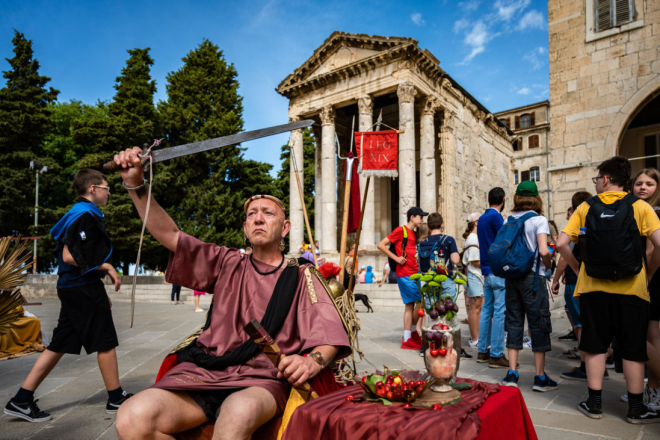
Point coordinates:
[(521, 301), (475, 287), (494, 308), (176, 291), (449, 288), (572, 304)]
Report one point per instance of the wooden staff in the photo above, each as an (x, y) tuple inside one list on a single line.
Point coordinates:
[(350, 163), (264, 341), (359, 231), (302, 201)]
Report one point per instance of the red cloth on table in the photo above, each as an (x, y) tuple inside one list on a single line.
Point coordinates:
[(332, 417), (504, 415), (354, 204)]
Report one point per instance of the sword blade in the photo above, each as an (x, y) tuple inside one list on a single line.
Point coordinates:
[(210, 144)]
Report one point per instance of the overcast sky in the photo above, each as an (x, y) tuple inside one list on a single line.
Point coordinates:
[(498, 51)]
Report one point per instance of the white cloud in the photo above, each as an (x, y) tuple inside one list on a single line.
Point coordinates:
[(531, 20), (524, 91), (507, 9), (417, 19), (536, 57), (477, 39), (469, 5), (460, 25)]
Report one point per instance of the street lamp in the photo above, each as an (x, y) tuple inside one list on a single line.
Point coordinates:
[(38, 169)]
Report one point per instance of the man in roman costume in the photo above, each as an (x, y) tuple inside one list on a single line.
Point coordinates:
[(222, 376)]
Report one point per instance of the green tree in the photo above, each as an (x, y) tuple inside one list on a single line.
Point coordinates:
[(132, 120), (207, 190), (309, 167), (24, 123)]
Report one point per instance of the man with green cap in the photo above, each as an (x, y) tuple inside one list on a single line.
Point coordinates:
[(527, 295)]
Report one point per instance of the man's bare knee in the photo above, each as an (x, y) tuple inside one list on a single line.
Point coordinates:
[(243, 412), (136, 417)]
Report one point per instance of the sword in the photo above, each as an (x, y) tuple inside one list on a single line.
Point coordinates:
[(210, 144)]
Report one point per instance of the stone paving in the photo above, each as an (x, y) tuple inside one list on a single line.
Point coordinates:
[(75, 395)]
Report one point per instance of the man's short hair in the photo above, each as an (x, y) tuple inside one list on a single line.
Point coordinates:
[(434, 221), (86, 177), (495, 196), (579, 198), (618, 169)]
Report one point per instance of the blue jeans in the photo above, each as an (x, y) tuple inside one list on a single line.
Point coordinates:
[(494, 308), (449, 288), (572, 304), (521, 301)]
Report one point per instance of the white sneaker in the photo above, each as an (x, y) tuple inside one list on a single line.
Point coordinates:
[(527, 342), (651, 398), (474, 344)]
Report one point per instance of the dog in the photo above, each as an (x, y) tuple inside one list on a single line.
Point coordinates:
[(365, 300)]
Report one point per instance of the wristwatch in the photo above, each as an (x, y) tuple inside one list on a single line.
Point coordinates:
[(318, 357)]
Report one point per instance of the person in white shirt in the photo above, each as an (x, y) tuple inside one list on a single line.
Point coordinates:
[(475, 286)]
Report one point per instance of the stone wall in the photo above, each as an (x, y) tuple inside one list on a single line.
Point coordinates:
[(597, 82)]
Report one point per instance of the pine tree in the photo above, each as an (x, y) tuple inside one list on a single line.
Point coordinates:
[(309, 167), (207, 190), (24, 123)]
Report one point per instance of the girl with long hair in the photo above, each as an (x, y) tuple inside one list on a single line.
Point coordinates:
[(646, 186), (475, 285)]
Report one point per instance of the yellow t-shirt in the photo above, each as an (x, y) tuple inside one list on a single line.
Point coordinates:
[(647, 222)]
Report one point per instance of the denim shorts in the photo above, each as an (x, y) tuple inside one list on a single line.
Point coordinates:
[(521, 301), (475, 287), (572, 304)]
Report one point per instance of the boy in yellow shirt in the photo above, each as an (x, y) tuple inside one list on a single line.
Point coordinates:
[(614, 300)]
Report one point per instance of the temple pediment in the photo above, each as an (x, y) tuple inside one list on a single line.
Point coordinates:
[(340, 50)]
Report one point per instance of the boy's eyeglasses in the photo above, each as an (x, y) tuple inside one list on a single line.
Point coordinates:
[(103, 187), (595, 179)]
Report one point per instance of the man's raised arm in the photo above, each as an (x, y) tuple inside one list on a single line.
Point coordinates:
[(159, 224)]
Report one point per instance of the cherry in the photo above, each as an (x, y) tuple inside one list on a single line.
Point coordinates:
[(441, 309), (349, 398), (379, 383), (442, 352), (397, 380), (437, 336), (420, 312), (419, 389), (434, 352), (381, 392), (407, 405), (445, 327), (364, 379), (433, 314), (429, 336), (455, 308), (436, 407), (390, 395)]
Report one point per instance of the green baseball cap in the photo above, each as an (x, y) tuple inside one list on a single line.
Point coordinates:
[(527, 188)]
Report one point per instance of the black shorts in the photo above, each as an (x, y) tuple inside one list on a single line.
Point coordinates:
[(211, 400), (85, 321), (654, 309), (605, 316)]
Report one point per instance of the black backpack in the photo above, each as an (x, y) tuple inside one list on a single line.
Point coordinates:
[(404, 242), (612, 247)]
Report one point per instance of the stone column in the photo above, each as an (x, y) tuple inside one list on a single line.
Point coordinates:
[(317, 187), (447, 154), (407, 190), (428, 188), (368, 234), (329, 183), (297, 233)]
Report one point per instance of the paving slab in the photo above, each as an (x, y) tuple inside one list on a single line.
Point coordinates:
[(75, 395)]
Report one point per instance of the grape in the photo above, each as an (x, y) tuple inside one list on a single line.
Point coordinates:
[(437, 336), (441, 309), (429, 336), (455, 308), (434, 314)]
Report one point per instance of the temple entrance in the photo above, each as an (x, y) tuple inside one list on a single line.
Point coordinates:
[(642, 137)]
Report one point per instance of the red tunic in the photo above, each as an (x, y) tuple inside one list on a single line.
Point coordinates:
[(242, 294)]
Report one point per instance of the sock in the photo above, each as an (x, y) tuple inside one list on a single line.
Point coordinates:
[(115, 395), (636, 402), (515, 373), (541, 377), (23, 396), (583, 368), (414, 328), (406, 335), (596, 397)]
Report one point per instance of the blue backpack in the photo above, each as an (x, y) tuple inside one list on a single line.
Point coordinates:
[(508, 255)]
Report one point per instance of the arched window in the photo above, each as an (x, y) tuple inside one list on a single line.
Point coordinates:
[(533, 141), (525, 120), (517, 145), (535, 174)]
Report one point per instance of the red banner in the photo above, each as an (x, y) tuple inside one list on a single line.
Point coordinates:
[(380, 155)]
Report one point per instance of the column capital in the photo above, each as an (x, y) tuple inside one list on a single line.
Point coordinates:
[(328, 115), (428, 105), (448, 120), (406, 92), (366, 105)]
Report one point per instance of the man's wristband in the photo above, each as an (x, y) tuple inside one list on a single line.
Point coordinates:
[(318, 357), (144, 182)]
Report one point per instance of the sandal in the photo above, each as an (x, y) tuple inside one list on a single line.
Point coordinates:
[(570, 351), (575, 355)]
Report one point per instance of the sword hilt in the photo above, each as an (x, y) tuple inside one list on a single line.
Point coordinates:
[(111, 166)]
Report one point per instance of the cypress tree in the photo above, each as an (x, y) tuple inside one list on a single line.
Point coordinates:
[(24, 123), (207, 190)]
